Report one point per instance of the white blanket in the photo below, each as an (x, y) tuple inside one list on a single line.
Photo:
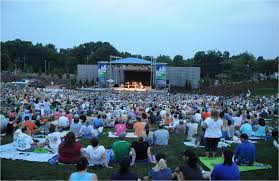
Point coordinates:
[(128, 135), (8, 151)]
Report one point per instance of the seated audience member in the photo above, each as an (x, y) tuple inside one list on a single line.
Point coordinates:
[(69, 151), (53, 139), (120, 148), (180, 129), (227, 170), (124, 172), (197, 116), (160, 171), (11, 126), (148, 136), (129, 122), (69, 116), (82, 173), (87, 130), (120, 127), (76, 125), (246, 128), (140, 151), (98, 122), (63, 122), (261, 128), (24, 142), (245, 153), (192, 129), (95, 153), (138, 126), (175, 121), (167, 120), (161, 136), (231, 130), (32, 126), (190, 169)]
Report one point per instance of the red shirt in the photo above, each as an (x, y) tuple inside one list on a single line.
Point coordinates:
[(69, 155), (205, 115)]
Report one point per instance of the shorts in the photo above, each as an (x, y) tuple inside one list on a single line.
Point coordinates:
[(211, 144)]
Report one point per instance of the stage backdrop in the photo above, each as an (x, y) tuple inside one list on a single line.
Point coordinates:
[(102, 74), (161, 75)]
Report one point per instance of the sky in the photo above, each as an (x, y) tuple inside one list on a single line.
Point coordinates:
[(147, 27)]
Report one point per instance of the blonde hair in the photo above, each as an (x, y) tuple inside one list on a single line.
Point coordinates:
[(160, 165), (214, 114)]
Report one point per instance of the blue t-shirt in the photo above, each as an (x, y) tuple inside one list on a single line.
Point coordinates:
[(225, 172), (164, 174), (260, 131), (245, 153), (78, 176), (97, 123), (246, 128)]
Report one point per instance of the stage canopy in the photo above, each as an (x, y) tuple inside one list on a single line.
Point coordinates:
[(132, 60)]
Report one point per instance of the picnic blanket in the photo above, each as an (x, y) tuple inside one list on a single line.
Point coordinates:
[(211, 162), (128, 135), (220, 144), (8, 151)]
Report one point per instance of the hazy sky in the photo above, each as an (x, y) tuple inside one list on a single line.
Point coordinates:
[(147, 27)]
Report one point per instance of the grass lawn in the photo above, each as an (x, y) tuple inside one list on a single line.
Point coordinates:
[(16, 169), (264, 91)]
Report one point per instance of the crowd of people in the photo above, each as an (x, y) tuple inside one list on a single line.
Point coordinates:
[(203, 119)]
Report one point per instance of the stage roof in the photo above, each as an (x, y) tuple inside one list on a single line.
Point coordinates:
[(131, 60)]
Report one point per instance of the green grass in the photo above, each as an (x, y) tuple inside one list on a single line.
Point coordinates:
[(264, 91), (16, 169)]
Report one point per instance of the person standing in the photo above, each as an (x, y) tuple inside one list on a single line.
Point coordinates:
[(213, 132)]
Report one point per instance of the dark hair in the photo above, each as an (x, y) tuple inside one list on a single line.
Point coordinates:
[(138, 119), (229, 122), (221, 114), (192, 158), (82, 164), (76, 120), (99, 116), (70, 138), (228, 155), (159, 156), (161, 126), (26, 118), (94, 142), (248, 116), (261, 122), (52, 128), (244, 136), (144, 116), (175, 116), (67, 112), (25, 128), (124, 165)]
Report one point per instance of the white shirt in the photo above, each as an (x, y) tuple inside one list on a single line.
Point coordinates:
[(95, 155), (86, 130), (192, 128), (197, 117), (175, 122), (23, 141), (213, 129), (54, 139), (63, 121)]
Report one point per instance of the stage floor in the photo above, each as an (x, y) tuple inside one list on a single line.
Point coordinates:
[(122, 89)]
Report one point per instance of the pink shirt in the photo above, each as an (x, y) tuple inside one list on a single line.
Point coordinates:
[(57, 115), (70, 117), (120, 128)]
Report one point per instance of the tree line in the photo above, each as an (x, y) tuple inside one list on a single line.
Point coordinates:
[(28, 57)]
